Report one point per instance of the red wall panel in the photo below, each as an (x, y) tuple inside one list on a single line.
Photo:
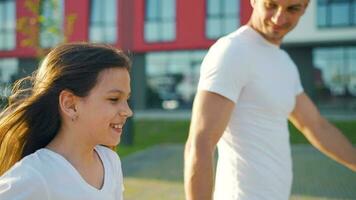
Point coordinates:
[(79, 10), (20, 50), (190, 25), (245, 11)]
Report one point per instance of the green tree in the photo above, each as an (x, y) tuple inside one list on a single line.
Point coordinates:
[(31, 25)]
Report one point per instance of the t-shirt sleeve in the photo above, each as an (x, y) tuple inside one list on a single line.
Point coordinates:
[(224, 70), (22, 183)]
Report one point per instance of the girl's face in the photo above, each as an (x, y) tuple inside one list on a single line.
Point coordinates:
[(103, 113)]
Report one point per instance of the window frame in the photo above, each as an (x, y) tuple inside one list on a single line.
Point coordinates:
[(160, 22), (327, 20), (46, 38), (103, 23), (7, 33), (222, 16)]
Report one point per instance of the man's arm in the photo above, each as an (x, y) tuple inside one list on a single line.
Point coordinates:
[(321, 134), (211, 113)]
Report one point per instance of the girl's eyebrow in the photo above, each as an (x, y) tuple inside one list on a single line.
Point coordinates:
[(119, 91)]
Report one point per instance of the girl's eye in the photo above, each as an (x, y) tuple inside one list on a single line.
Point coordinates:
[(114, 99)]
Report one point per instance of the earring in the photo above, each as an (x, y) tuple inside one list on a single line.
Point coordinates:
[(74, 118)]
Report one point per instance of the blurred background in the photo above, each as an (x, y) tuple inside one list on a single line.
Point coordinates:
[(167, 40)]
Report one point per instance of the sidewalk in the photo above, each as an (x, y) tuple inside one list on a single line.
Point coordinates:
[(186, 114), (157, 174)]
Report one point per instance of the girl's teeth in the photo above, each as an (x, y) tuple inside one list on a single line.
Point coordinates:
[(117, 126)]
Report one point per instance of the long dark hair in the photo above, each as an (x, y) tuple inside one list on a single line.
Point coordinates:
[(31, 119)]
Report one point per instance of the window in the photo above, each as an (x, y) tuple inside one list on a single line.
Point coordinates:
[(336, 13), (172, 78), (8, 72), (7, 24), (222, 17), (103, 21), (160, 20), (335, 80), (51, 19)]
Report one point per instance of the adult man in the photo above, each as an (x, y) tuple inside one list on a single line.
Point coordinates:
[(248, 89)]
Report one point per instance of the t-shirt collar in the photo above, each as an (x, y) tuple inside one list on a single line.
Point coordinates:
[(256, 35)]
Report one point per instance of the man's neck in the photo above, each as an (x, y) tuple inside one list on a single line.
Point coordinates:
[(269, 40)]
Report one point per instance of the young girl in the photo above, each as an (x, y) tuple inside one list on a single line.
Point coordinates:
[(55, 136)]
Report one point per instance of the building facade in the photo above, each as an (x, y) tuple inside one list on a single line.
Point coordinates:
[(167, 40), (324, 47)]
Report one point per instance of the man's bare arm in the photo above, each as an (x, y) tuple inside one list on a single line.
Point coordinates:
[(321, 134), (211, 113)]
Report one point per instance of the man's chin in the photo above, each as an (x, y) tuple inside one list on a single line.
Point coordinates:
[(274, 38)]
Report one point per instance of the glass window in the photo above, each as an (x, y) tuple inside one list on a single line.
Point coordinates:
[(335, 80), (172, 78), (322, 15), (214, 7), (222, 17), (339, 13), (7, 24), (353, 12), (160, 20), (351, 58), (8, 71), (51, 19), (103, 21)]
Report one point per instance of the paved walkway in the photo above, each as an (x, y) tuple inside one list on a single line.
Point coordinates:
[(157, 174), (186, 114)]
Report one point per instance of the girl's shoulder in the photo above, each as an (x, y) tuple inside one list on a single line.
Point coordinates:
[(107, 152), (33, 166), (22, 178), (27, 164), (110, 157)]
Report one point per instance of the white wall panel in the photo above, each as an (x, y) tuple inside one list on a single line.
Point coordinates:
[(308, 31)]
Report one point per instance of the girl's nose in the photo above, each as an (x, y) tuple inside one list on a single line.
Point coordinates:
[(126, 111)]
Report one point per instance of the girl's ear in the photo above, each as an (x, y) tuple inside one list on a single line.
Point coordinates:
[(67, 104)]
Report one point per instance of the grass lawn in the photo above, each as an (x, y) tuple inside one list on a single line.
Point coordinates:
[(158, 172), (152, 132)]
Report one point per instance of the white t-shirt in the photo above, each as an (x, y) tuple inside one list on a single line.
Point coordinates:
[(254, 152), (46, 175)]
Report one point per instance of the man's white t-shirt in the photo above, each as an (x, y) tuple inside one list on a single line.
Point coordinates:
[(46, 175), (254, 152)]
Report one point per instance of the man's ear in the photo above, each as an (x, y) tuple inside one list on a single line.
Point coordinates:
[(67, 103), (252, 2), (306, 5)]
